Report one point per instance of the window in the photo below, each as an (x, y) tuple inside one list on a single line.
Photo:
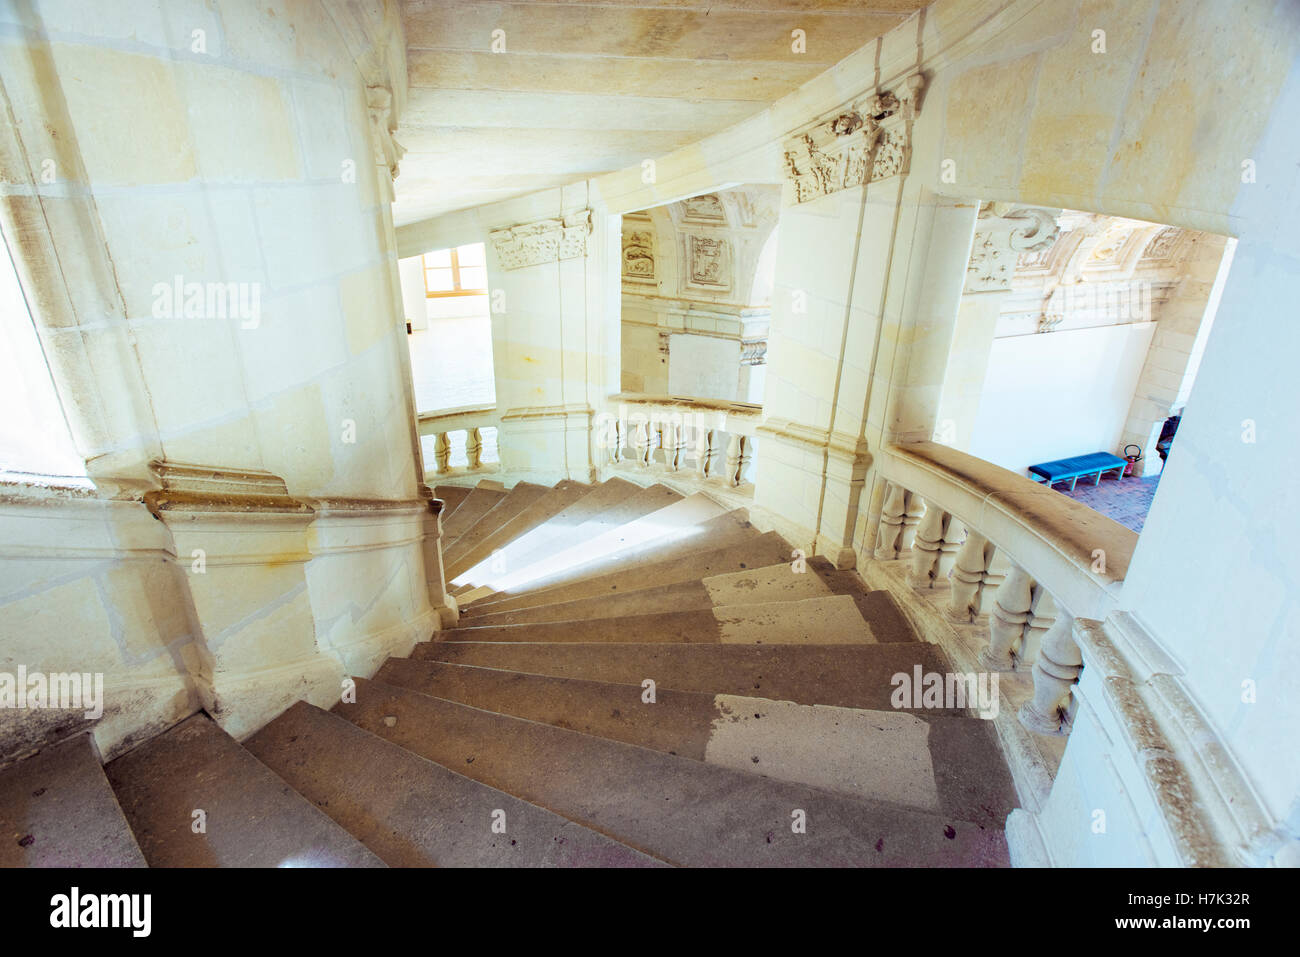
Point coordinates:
[(34, 435), (461, 271)]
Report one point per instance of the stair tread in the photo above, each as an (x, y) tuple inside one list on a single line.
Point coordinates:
[(452, 496), (577, 525), (57, 809), (849, 675), (253, 818), (752, 585), (830, 619), (477, 503), (515, 501), (860, 752), (413, 812), (685, 561), (680, 810), (544, 508)]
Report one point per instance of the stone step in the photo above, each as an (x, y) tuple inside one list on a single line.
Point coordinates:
[(554, 501), (57, 809), (414, 813), (252, 817), (888, 623), (532, 556), (748, 549), (452, 496), (749, 586), (832, 620), (947, 765), (680, 810), (608, 494), (477, 503), (847, 676), (515, 501)]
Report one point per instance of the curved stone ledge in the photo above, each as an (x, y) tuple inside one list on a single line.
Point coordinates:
[(1052, 535)]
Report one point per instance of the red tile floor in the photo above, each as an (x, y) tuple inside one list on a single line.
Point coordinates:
[(1126, 500)]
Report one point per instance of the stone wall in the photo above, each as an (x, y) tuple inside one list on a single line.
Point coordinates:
[(256, 526)]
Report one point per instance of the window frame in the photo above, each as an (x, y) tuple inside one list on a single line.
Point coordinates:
[(456, 290)]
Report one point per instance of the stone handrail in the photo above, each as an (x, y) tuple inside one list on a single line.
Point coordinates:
[(1058, 554), (1077, 554)]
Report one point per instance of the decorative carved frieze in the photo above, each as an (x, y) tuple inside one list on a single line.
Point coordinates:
[(753, 352), (869, 142), (548, 240)]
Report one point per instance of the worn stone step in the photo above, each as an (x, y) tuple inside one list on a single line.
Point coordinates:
[(515, 501), (452, 496), (608, 494), (749, 586), (848, 676), (942, 764), (413, 812), (252, 817), (680, 810), (888, 623), (57, 809), (554, 501), (682, 561), (830, 620), (542, 546), (477, 503)]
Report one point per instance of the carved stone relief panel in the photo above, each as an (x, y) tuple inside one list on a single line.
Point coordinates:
[(706, 209), (709, 261), (639, 255)]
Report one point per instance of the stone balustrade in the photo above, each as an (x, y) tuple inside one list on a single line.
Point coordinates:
[(464, 442), (706, 441), (1032, 562)]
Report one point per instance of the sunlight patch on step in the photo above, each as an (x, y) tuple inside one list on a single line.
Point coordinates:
[(880, 755)]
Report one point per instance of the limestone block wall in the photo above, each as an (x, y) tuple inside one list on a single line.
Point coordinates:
[(197, 199)]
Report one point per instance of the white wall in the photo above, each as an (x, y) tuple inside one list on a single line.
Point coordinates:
[(703, 366), (1058, 394)]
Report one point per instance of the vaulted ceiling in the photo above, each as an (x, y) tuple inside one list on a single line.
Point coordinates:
[(587, 87)]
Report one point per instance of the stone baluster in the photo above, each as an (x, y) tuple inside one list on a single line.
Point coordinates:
[(1012, 609), (746, 459), (1042, 618), (735, 444), (1056, 669), (614, 441), (441, 453), (704, 452), (675, 452), (928, 546), (641, 442), (474, 448), (889, 534), (911, 519), (967, 577)]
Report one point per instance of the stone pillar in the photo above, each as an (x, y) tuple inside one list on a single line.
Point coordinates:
[(1056, 669)]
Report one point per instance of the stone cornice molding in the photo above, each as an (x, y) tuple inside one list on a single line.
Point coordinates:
[(543, 241), (202, 488), (870, 140)]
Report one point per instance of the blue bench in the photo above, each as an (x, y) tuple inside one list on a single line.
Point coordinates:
[(1093, 465)]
